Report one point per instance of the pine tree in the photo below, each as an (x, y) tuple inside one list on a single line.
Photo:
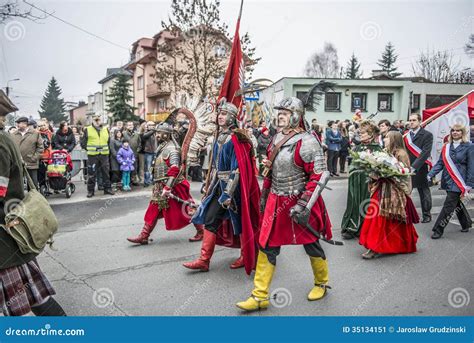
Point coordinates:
[(52, 106), (352, 70), (388, 60), (118, 99)]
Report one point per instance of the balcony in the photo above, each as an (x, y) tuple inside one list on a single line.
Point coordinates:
[(153, 90)]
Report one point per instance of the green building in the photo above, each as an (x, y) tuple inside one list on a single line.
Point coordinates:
[(390, 98)]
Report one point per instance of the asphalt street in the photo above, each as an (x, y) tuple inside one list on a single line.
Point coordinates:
[(96, 271)]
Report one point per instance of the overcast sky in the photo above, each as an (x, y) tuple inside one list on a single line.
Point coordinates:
[(285, 34)]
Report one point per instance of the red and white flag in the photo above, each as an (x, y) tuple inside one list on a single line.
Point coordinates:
[(235, 74), (441, 126)]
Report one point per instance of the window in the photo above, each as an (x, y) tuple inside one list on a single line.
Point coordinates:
[(384, 102), (218, 81), (359, 101), (415, 105), (332, 102), (161, 104), (435, 100), (140, 83), (219, 51), (141, 108), (138, 55)]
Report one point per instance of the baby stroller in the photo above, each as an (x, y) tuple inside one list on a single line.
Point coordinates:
[(58, 174)]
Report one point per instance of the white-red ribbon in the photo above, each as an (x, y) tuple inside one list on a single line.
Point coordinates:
[(414, 149), (453, 170)]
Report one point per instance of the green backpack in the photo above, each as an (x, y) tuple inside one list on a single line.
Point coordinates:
[(32, 223)]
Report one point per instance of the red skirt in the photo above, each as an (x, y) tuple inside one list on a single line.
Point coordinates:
[(279, 229), (176, 215), (387, 236)]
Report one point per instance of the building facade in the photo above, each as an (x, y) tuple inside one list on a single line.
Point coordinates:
[(383, 98), (78, 114), (108, 82), (153, 99), (95, 106)]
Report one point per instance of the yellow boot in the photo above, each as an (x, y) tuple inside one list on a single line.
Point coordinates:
[(263, 277), (321, 278)]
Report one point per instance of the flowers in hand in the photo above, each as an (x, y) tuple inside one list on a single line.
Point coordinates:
[(380, 163)]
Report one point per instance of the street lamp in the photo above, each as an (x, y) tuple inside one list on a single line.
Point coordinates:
[(8, 88)]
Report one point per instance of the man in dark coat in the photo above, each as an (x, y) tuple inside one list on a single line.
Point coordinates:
[(419, 151)]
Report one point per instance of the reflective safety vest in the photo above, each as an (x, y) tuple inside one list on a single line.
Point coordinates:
[(97, 143)]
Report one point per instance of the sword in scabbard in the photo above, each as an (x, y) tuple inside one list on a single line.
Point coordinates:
[(185, 202), (318, 235)]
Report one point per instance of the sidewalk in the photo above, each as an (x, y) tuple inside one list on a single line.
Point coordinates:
[(80, 195)]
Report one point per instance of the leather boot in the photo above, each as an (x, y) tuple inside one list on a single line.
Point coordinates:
[(142, 238), (238, 263), (199, 233), (262, 280), (321, 278), (207, 249)]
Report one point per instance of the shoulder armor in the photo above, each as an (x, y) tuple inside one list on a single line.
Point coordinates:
[(295, 139), (311, 149), (169, 148)]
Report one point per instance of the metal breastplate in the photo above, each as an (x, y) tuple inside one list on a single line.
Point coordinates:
[(287, 177), (160, 168)]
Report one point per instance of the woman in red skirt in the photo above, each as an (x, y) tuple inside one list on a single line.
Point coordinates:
[(388, 226)]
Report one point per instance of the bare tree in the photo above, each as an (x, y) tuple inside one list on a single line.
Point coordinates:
[(12, 9), (196, 43), (323, 64), (469, 47), (436, 66)]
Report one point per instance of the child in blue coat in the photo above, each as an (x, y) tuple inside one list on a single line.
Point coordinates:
[(126, 159)]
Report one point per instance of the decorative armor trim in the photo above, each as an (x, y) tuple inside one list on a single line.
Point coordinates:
[(232, 183)]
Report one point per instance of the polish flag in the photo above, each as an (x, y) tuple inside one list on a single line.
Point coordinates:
[(441, 126)]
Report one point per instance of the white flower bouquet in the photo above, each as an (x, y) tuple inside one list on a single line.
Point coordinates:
[(379, 163)]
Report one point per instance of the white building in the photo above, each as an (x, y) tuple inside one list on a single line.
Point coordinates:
[(108, 81), (95, 106)]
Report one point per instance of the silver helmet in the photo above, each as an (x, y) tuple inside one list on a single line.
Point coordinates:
[(164, 127), (164, 131), (230, 110), (295, 106)]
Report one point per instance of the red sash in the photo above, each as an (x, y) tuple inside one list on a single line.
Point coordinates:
[(453, 170), (415, 150)]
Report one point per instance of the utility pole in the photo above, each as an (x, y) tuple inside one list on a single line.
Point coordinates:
[(8, 88)]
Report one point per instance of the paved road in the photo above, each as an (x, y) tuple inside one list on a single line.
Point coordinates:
[(94, 264)]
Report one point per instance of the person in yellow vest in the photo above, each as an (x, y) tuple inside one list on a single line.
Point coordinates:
[(96, 142)]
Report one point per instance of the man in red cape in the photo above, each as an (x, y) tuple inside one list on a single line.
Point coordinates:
[(167, 180), (230, 209), (295, 176)]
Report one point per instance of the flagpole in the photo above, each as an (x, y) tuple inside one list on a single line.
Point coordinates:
[(445, 109)]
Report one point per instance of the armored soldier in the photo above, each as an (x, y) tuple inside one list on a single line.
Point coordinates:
[(171, 191), (229, 211), (293, 210)]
